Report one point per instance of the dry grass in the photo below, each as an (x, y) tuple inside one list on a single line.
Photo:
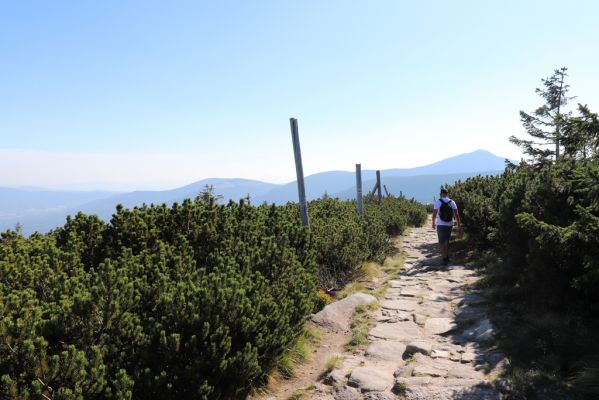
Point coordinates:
[(362, 322)]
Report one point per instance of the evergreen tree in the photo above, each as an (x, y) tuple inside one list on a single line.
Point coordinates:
[(581, 135), (545, 123)]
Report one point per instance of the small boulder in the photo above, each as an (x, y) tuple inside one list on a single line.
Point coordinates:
[(338, 315)]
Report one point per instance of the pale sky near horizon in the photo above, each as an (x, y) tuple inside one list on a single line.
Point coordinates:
[(156, 94)]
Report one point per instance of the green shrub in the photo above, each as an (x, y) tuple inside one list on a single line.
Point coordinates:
[(198, 300)]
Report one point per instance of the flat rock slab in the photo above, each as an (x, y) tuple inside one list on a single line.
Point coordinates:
[(437, 297), (386, 351), (411, 291), (403, 305), (426, 366), (379, 396), (370, 379), (419, 318), (438, 326), (338, 314), (346, 393), (419, 346), (400, 331), (451, 393), (429, 370), (481, 332), (435, 310), (469, 314)]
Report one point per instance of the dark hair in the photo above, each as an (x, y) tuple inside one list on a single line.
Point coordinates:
[(444, 191)]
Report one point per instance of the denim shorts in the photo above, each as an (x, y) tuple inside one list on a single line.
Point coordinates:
[(444, 233)]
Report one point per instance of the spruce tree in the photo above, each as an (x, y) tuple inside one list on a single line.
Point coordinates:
[(581, 135), (545, 123)]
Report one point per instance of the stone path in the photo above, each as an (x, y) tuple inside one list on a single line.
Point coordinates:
[(430, 340)]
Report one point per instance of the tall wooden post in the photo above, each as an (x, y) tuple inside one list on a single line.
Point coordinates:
[(301, 189), (378, 184), (359, 188), (386, 191)]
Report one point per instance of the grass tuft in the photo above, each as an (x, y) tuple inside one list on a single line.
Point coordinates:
[(362, 322), (332, 363)]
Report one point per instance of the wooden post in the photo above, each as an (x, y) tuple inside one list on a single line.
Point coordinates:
[(378, 184), (371, 194), (359, 188), (301, 189), (386, 191)]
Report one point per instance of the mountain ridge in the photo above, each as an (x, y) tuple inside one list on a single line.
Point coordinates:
[(419, 182)]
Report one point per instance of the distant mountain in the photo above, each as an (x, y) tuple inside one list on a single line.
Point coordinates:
[(339, 182), (316, 185), (479, 160), (22, 200), (227, 188), (39, 210), (69, 203), (423, 188)]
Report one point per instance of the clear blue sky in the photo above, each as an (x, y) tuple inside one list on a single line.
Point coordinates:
[(154, 94)]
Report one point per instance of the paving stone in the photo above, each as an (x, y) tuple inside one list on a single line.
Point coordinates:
[(411, 291), (379, 396), (437, 353), (415, 381), (419, 346), (401, 331), (346, 393), (419, 318), (370, 379), (451, 393), (335, 378), (482, 331), (398, 315), (468, 357), (469, 314), (403, 305), (386, 350), (429, 370), (395, 284), (437, 297), (435, 310), (438, 326)]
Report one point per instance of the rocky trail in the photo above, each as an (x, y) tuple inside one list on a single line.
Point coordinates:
[(431, 338)]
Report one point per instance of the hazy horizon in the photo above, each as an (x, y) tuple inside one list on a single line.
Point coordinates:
[(140, 95), (99, 187)]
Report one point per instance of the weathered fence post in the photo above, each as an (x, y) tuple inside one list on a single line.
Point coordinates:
[(301, 189), (359, 188), (378, 184), (386, 191)]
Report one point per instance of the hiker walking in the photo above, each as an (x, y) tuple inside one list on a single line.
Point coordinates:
[(445, 211)]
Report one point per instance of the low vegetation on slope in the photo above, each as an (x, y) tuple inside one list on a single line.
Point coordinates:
[(199, 300), (539, 222)]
